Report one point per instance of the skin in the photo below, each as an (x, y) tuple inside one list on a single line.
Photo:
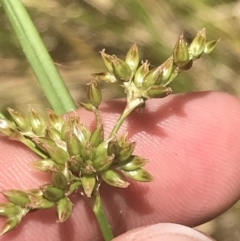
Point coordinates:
[(192, 142)]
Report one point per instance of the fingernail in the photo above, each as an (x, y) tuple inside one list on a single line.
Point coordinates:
[(164, 232)]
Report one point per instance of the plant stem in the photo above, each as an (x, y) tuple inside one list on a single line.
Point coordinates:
[(32, 146), (101, 217), (38, 57), (97, 116), (128, 109)]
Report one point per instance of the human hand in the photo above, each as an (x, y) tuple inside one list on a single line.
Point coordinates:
[(192, 142)]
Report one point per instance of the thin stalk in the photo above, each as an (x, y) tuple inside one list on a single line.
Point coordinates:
[(129, 108), (97, 116), (38, 57), (101, 217), (32, 146)]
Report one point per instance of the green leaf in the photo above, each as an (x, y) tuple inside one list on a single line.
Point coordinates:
[(38, 57)]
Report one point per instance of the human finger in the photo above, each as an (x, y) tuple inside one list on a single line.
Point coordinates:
[(196, 176)]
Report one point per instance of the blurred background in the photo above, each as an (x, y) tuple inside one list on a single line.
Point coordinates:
[(74, 32)]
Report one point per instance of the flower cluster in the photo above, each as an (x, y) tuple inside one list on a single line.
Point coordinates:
[(79, 159), (140, 81)]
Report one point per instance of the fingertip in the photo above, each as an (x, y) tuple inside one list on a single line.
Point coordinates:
[(164, 232)]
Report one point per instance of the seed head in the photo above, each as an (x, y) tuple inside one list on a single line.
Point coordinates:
[(113, 178), (88, 184), (210, 46), (140, 74), (52, 193), (54, 120), (134, 163), (9, 210), (64, 209), (121, 69), (97, 136), (20, 120), (107, 60), (180, 52), (94, 93), (140, 175), (132, 58), (59, 180), (167, 68), (198, 44), (16, 197), (106, 77), (10, 224), (153, 77), (37, 121)]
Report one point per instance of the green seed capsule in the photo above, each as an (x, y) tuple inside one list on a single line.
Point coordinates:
[(113, 148), (167, 69), (74, 146), (37, 122), (102, 148), (135, 162), (197, 46), (59, 180), (107, 60), (5, 127), (20, 119), (52, 193), (210, 46), (64, 209), (94, 93), (140, 74), (113, 178), (82, 133), (152, 77), (17, 197), (53, 134), (40, 203), (187, 66), (69, 124), (46, 165), (132, 58), (121, 70), (74, 186), (97, 136), (88, 184), (157, 91), (10, 224), (34, 192), (140, 175), (75, 163), (2, 116), (106, 77), (88, 151), (180, 52), (58, 155), (54, 120), (126, 151), (122, 140), (88, 106), (42, 141), (102, 163), (9, 210), (87, 168)]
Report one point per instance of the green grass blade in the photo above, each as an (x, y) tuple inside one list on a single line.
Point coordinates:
[(38, 57)]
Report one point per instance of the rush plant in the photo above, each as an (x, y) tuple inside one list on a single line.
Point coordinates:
[(77, 158)]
